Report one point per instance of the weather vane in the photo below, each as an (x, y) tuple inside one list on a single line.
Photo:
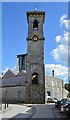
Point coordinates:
[(36, 9)]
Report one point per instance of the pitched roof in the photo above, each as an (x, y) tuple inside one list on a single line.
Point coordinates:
[(8, 74), (21, 73), (15, 71)]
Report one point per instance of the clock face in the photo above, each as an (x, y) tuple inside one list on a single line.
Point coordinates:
[(35, 38)]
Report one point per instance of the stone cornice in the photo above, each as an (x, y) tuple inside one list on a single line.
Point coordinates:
[(35, 13)]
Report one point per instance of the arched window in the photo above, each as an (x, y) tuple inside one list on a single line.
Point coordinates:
[(35, 78), (35, 25)]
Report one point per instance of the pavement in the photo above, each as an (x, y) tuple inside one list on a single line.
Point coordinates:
[(17, 111)]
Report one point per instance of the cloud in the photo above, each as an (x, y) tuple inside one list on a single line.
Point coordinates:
[(60, 71), (64, 21), (14, 68), (61, 52), (58, 38), (7, 68)]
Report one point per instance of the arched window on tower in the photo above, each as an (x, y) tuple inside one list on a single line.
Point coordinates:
[(35, 25), (35, 78)]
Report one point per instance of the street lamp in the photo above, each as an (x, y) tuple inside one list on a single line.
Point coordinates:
[(18, 95), (5, 98)]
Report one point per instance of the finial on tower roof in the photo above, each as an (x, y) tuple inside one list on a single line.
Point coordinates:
[(36, 9)]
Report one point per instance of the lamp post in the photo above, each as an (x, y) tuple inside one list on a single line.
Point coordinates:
[(5, 99), (18, 95), (26, 84)]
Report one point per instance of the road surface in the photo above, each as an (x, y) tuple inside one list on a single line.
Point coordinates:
[(48, 111), (36, 111)]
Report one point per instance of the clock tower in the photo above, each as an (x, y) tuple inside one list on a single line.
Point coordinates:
[(35, 90)]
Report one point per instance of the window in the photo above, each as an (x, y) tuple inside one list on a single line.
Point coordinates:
[(35, 25), (48, 93), (35, 78)]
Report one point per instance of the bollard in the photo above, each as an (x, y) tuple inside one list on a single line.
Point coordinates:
[(5, 105)]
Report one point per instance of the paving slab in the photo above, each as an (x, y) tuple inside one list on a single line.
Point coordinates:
[(17, 111)]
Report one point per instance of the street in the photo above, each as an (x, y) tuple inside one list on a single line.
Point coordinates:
[(36, 111), (48, 111)]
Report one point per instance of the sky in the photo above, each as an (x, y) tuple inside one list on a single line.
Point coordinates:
[(35, 0), (56, 30)]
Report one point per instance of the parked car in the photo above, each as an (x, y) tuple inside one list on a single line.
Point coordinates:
[(50, 100), (55, 99), (61, 107), (57, 104), (67, 108)]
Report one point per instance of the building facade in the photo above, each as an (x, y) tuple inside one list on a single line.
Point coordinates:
[(21, 62), (14, 87), (53, 87)]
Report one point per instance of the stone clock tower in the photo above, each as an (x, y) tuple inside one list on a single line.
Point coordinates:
[(35, 90)]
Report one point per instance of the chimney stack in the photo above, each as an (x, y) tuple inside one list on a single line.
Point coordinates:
[(53, 73)]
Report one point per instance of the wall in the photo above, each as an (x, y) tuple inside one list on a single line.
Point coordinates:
[(65, 93), (14, 94), (54, 85), (16, 80), (35, 94), (13, 85)]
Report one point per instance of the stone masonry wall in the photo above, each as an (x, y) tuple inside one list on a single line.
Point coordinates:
[(35, 94), (14, 94)]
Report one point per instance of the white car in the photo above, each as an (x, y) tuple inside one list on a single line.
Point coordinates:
[(55, 99)]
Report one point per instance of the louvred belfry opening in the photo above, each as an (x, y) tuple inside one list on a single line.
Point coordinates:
[(35, 78), (35, 25)]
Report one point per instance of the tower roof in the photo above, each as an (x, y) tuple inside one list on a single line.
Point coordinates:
[(31, 13)]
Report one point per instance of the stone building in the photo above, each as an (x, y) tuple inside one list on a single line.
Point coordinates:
[(0, 93), (53, 87), (14, 88), (31, 86), (13, 78)]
